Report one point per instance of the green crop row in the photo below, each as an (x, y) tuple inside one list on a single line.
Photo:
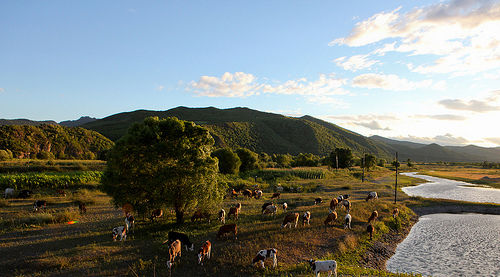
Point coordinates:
[(48, 180)]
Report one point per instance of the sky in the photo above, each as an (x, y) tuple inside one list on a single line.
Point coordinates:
[(421, 71)]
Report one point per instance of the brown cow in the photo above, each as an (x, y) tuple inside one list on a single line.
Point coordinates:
[(305, 218), (346, 204), (276, 195), (247, 193), (333, 205), (395, 212), (270, 210), (82, 208), (156, 214), (372, 195), (290, 219), (331, 218), (174, 250), (373, 216), (200, 215), (226, 229), (205, 250), (233, 211), (370, 230)]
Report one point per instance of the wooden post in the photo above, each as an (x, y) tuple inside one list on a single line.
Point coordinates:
[(396, 185), (337, 162), (363, 165)]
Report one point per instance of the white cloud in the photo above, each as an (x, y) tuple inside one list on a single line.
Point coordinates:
[(355, 63), (327, 100), (490, 103), (159, 87), (387, 82), (448, 117), (443, 140), (441, 85), (373, 125)]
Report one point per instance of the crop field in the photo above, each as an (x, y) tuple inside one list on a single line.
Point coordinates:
[(470, 174), (61, 242)]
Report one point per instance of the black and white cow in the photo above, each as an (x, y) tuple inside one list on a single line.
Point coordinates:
[(119, 231), (25, 194), (183, 238), (129, 222), (324, 266), (262, 255), (40, 204)]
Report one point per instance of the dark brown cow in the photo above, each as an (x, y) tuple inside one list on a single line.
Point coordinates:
[(373, 216), (227, 229), (200, 215), (205, 250), (331, 218)]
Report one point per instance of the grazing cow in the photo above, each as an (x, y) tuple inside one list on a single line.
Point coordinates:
[(318, 200), (119, 231), (276, 195), (227, 229), (373, 216), (346, 196), (205, 250), (183, 238), (333, 205), (232, 193), (346, 204), (82, 208), (290, 219), (40, 204), (340, 198), (370, 230), (156, 214), (129, 222), (258, 194), (279, 188), (264, 206), (60, 192), (9, 193), (233, 211), (395, 212), (262, 255), (25, 194), (305, 218), (174, 250), (247, 193), (271, 209), (331, 218), (238, 206), (222, 216), (285, 206), (372, 195), (200, 215), (347, 223), (324, 266)]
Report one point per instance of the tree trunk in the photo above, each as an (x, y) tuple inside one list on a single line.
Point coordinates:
[(179, 214)]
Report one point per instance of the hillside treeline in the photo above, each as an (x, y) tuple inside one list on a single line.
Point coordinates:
[(51, 142)]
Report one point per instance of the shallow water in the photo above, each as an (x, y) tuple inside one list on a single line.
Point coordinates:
[(449, 189), (450, 245)]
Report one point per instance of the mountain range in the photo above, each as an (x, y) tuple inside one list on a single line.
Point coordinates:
[(278, 134)]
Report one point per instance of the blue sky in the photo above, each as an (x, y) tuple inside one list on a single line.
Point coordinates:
[(424, 71)]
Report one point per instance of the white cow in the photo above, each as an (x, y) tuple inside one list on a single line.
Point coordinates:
[(324, 266)]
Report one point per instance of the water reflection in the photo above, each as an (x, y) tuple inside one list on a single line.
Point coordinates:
[(451, 245), (449, 189)]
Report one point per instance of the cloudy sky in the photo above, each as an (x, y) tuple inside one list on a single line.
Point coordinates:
[(423, 71)]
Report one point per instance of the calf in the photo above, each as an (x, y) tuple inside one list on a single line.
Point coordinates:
[(262, 255), (264, 206), (395, 212), (373, 216), (9, 193), (276, 195), (183, 238), (25, 194), (346, 204), (370, 230), (200, 215), (290, 219), (372, 195), (205, 250), (318, 200), (129, 222), (285, 206), (82, 208), (233, 211), (227, 229), (222, 216), (331, 218), (40, 204), (333, 205), (305, 218), (156, 214), (324, 266), (347, 223), (271, 209), (174, 250), (119, 231)]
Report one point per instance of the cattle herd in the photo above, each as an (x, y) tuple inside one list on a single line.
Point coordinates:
[(176, 240)]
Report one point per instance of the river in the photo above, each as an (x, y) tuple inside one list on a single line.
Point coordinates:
[(451, 244)]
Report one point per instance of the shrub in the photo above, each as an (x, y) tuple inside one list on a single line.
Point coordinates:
[(83, 196)]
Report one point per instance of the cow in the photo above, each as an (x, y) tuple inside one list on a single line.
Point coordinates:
[(258, 194), (25, 194), (247, 193), (285, 206), (373, 216), (40, 204), (395, 212), (346, 196), (262, 255), (174, 250), (9, 193), (318, 200), (372, 195), (324, 266), (238, 206), (271, 209), (129, 222), (346, 204), (221, 216), (156, 214), (82, 208), (200, 215), (60, 192), (347, 223), (333, 205), (204, 251), (330, 218), (340, 198), (227, 229), (305, 218), (276, 195), (231, 193), (183, 238), (119, 231), (264, 206), (370, 230), (290, 219), (233, 211)]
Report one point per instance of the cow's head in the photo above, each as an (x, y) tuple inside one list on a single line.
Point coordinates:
[(312, 263)]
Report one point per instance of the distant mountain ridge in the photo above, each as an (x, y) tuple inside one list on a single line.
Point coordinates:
[(75, 123)]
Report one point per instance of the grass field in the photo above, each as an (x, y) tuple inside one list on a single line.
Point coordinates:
[(469, 174)]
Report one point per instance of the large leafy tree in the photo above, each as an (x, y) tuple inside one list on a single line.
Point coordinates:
[(163, 163), (370, 161), (341, 157), (229, 162)]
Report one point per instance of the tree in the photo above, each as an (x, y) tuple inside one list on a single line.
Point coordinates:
[(343, 156), (409, 163), (370, 161), (229, 162), (249, 159), (163, 163), (283, 160)]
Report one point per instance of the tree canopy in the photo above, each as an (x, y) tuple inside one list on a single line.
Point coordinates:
[(162, 163), (341, 157)]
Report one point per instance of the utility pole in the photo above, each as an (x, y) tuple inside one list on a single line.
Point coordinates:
[(337, 162), (363, 165), (396, 185)]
